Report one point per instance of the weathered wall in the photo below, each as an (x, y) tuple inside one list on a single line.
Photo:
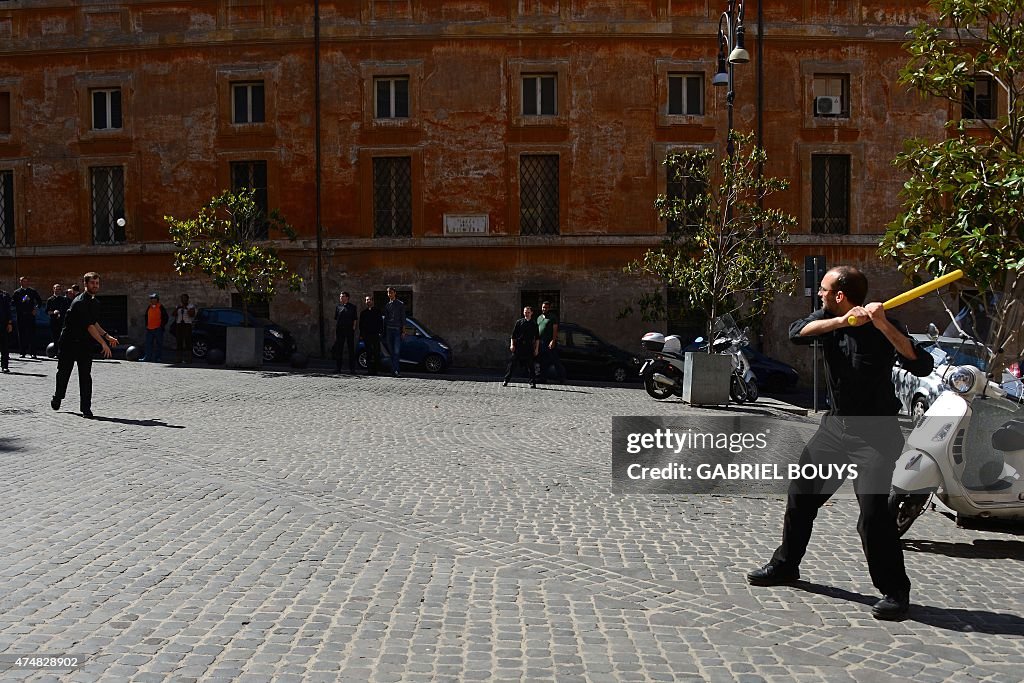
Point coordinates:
[(175, 60)]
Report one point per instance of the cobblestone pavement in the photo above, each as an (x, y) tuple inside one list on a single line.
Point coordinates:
[(269, 526)]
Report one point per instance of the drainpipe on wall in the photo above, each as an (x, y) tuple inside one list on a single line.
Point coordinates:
[(319, 226)]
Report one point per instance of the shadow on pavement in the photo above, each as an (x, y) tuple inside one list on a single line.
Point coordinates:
[(24, 374), (138, 423), (983, 548), (9, 445), (978, 621)]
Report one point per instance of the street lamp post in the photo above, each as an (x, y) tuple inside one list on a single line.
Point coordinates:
[(730, 42)]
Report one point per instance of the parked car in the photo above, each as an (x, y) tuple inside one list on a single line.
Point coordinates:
[(771, 374), (584, 354), (917, 394), (420, 347), (209, 332)]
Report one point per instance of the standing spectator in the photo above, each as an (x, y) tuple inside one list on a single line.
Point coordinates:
[(524, 346), (371, 325), (156, 319), (56, 307), (345, 318), (26, 301), (394, 327), (6, 325), (547, 325), (81, 333), (184, 316)]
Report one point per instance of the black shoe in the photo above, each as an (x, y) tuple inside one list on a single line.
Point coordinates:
[(87, 414), (533, 385), (55, 403), (772, 575), (504, 383), (34, 357), (5, 370), (891, 608)]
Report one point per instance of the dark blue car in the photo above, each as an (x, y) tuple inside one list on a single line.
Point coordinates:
[(420, 347)]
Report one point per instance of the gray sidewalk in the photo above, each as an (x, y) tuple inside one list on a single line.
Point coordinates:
[(285, 526)]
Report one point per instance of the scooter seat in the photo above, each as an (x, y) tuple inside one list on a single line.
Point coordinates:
[(1009, 437)]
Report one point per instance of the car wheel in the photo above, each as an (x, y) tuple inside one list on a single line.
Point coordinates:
[(200, 348), (363, 363), (917, 409), (269, 352), (620, 373), (433, 363)]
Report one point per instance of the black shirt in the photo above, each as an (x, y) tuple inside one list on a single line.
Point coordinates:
[(344, 316), (858, 366), (84, 312), (524, 334), (25, 299), (371, 323), (59, 304)]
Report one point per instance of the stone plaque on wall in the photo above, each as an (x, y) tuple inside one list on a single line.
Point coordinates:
[(466, 224)]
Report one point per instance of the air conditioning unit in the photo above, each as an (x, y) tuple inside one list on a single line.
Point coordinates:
[(827, 105)]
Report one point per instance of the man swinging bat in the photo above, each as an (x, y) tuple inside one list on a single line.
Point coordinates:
[(860, 347)]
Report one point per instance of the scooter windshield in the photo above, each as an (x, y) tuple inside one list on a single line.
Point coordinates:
[(981, 467)]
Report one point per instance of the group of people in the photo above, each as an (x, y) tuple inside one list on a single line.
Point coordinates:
[(18, 317), (371, 325), (156, 317), (535, 342)]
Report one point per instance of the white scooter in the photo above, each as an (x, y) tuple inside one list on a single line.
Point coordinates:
[(968, 452), (663, 372)]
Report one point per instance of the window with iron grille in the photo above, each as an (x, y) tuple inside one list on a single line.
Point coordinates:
[(392, 197), (535, 297), (106, 109), (107, 183), (831, 96), (830, 193), (252, 175), (979, 99), (5, 113), (113, 313), (247, 104), (686, 94), (539, 91), (380, 300), (392, 101), (257, 309), (538, 194), (6, 208), (684, 188)]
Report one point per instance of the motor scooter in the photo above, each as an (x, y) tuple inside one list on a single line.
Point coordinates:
[(967, 452), (662, 373)]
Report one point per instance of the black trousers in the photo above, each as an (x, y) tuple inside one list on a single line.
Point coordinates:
[(521, 359), (873, 444), (346, 338), (56, 325), (5, 354), (26, 329), (69, 355), (549, 359), (372, 342)]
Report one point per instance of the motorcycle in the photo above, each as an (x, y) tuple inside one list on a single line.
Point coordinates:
[(729, 341), (967, 453), (662, 373)]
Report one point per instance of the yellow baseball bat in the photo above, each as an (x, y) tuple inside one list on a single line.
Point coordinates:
[(920, 290)]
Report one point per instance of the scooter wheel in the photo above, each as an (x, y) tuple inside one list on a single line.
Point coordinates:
[(655, 390), (905, 508), (752, 391), (737, 390)]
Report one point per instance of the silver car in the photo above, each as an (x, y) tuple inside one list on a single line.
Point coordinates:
[(917, 394)]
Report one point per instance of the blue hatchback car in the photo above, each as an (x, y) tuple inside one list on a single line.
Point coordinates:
[(420, 347)]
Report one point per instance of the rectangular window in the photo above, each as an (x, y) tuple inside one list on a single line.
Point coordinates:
[(252, 175), (113, 313), (257, 309), (539, 91), (247, 105), (979, 101), (380, 298), (538, 194), (392, 100), (106, 109), (685, 188), (535, 297), (392, 197), (5, 113), (107, 184), (831, 96), (685, 94), (6, 208), (830, 193)]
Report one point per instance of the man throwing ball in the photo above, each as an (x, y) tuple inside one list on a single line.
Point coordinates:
[(860, 428)]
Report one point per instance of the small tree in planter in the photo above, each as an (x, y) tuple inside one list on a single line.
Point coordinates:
[(724, 254), (225, 242)]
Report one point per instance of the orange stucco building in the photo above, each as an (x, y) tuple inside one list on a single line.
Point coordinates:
[(473, 153)]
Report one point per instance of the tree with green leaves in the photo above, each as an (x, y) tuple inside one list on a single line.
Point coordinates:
[(723, 252), (225, 241), (964, 199)]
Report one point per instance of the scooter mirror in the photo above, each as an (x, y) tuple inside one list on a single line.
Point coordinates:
[(933, 331)]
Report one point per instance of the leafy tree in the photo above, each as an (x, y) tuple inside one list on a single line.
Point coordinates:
[(724, 253), (225, 242), (964, 199)]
